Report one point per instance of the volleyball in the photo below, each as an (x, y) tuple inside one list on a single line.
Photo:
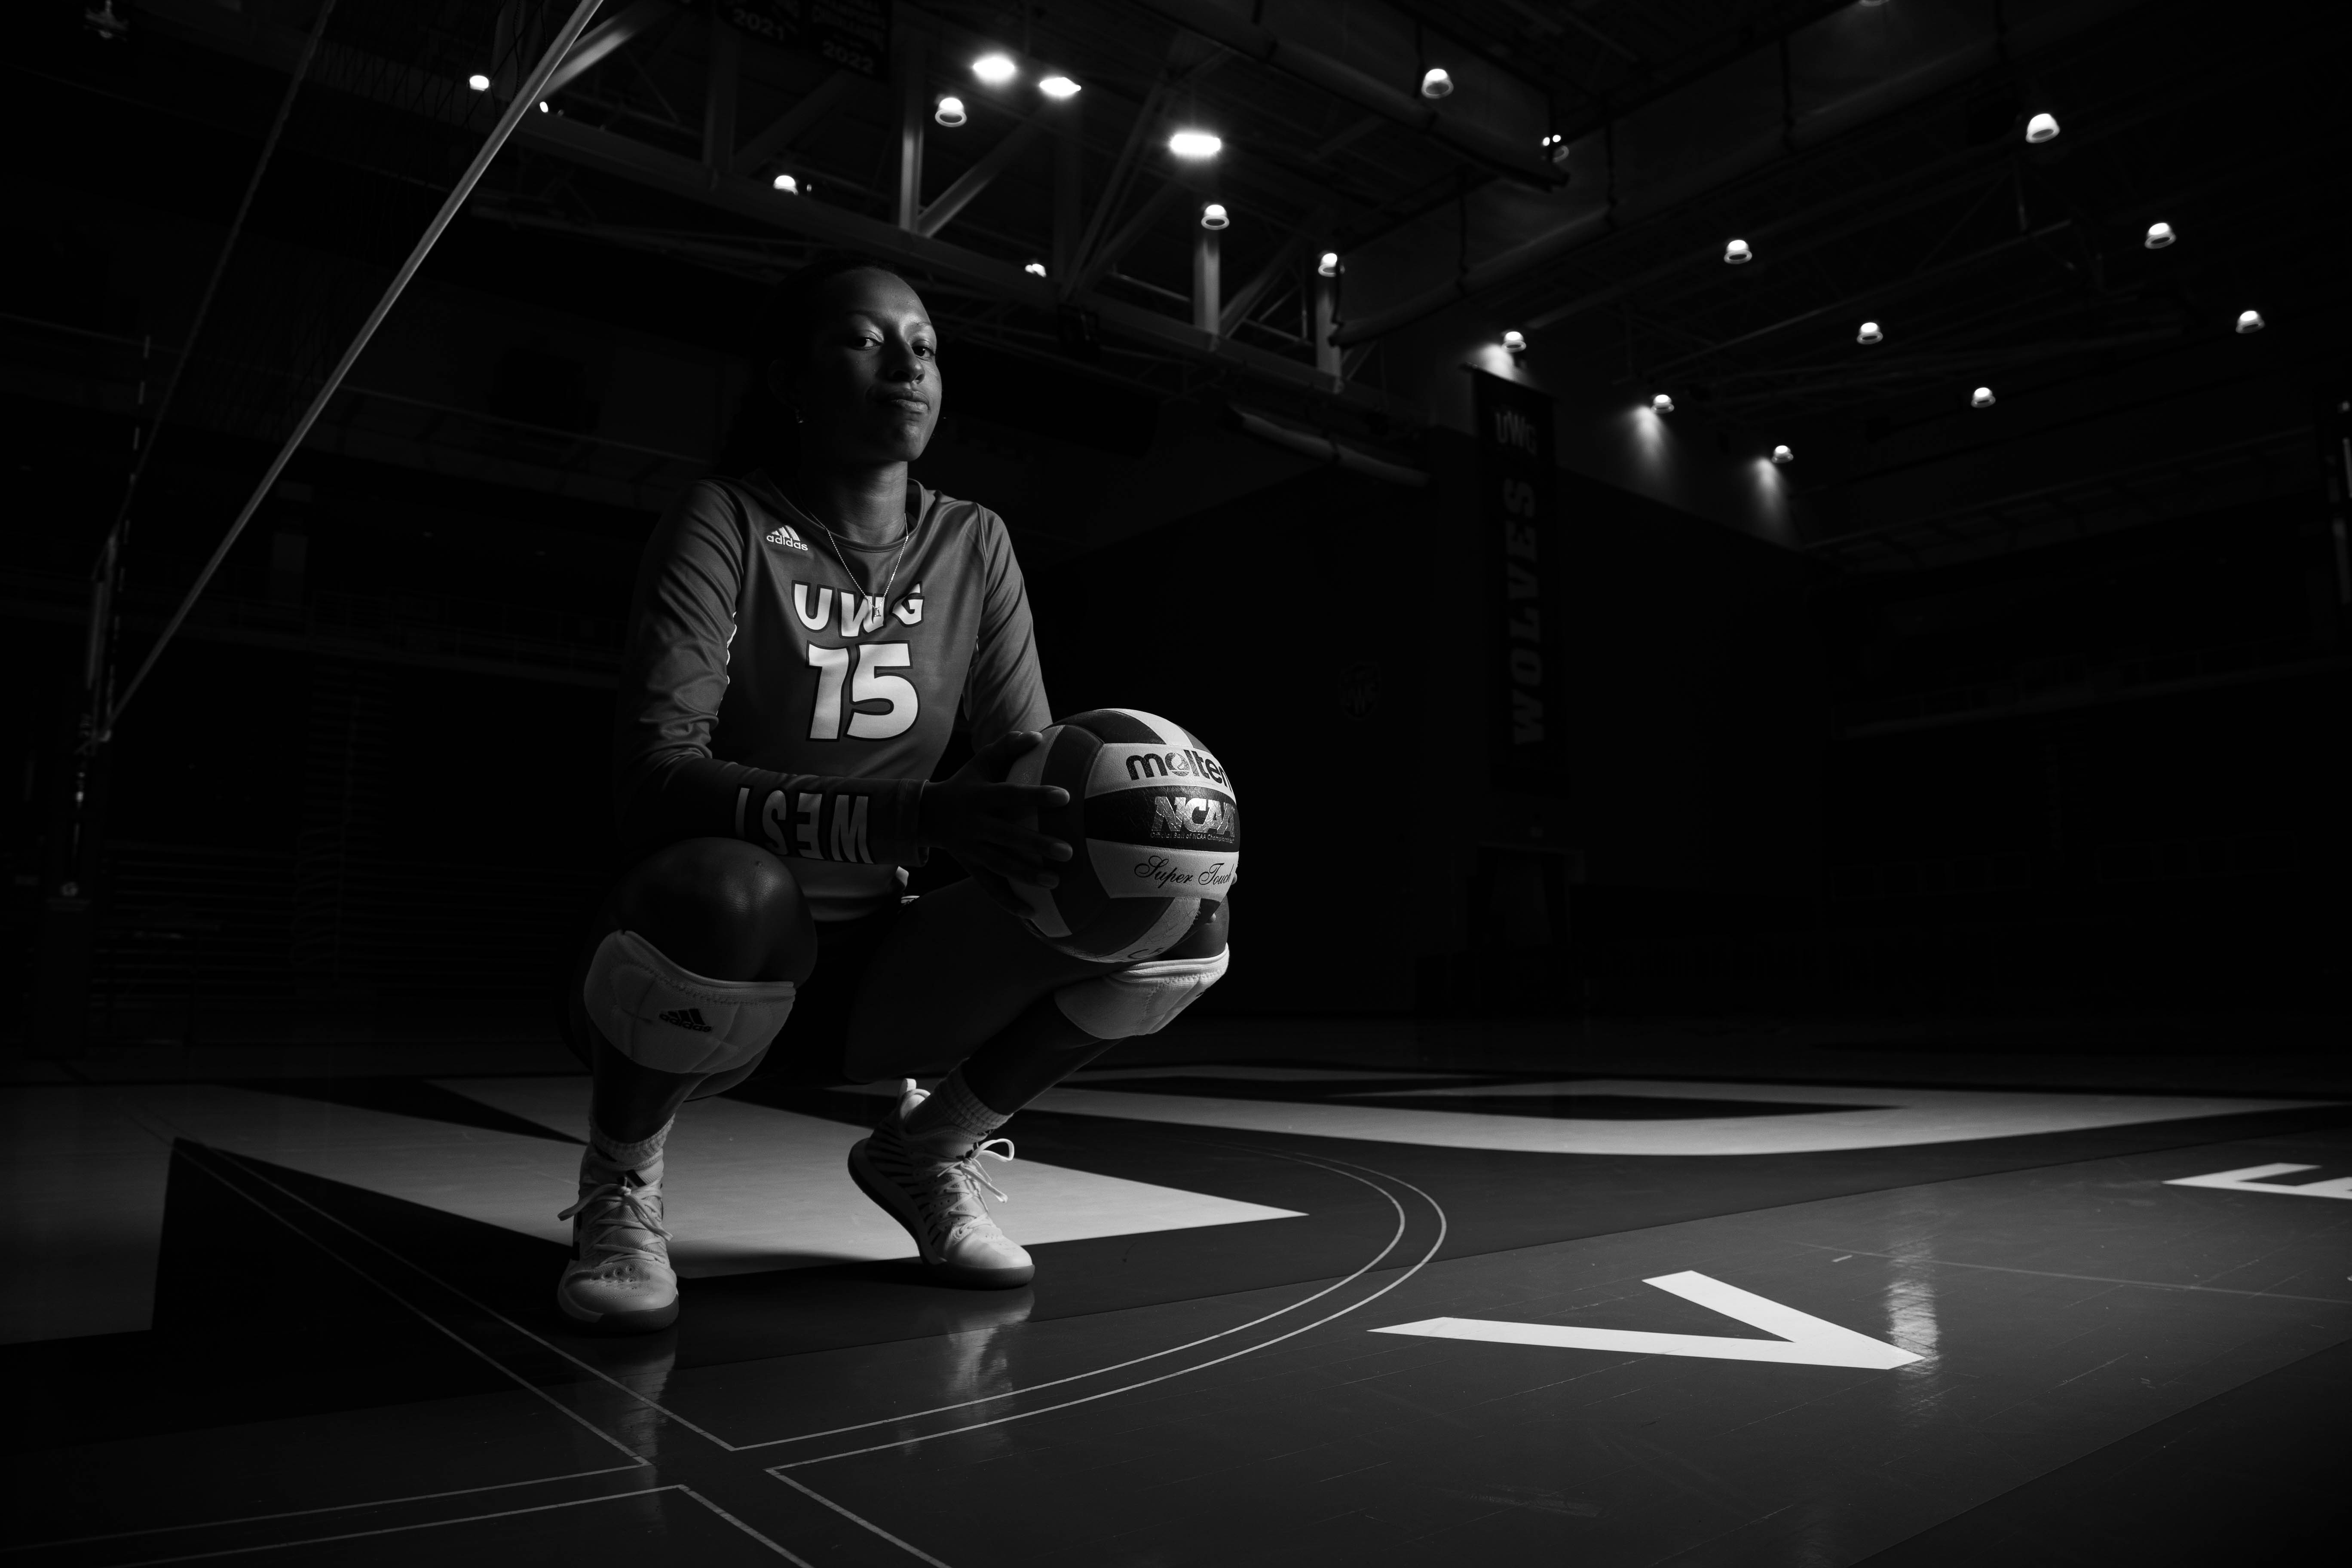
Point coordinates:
[(1154, 825)]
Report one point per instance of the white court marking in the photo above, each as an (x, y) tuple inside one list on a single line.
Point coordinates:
[(750, 1188), (1805, 1340), (2250, 1180), (1880, 1118)]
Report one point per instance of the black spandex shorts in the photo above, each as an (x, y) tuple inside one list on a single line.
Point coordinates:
[(814, 1044)]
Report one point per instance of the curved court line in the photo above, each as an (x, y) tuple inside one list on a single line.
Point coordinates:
[(1435, 1208), (1373, 1262), (307, 1512)]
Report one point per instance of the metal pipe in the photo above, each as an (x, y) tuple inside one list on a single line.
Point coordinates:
[(524, 102), (1326, 450)]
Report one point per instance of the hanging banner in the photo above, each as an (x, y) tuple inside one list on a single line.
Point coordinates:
[(853, 34), (1521, 560)]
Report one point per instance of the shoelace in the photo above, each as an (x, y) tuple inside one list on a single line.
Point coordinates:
[(616, 1195), (971, 1168)]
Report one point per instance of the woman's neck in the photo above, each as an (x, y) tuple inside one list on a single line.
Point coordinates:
[(865, 506)]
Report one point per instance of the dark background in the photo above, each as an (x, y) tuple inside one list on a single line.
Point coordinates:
[(2098, 776)]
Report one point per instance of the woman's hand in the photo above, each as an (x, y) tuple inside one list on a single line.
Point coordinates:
[(991, 826)]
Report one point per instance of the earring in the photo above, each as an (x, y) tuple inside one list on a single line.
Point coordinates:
[(796, 417)]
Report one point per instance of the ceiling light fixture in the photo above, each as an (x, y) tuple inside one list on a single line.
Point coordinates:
[(1213, 216), (1435, 83), (2042, 127), (2159, 235), (479, 82), (1736, 252), (995, 69), (1981, 397), (1661, 403), (787, 184), (542, 105), (1329, 266), (1869, 333), (1781, 455), (1058, 87), (2251, 321), (1035, 268), (1516, 340), (1196, 144), (950, 113)]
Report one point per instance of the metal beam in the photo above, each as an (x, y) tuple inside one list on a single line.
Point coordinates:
[(1238, 33), (911, 67), (726, 70), (1802, 133), (609, 153), (604, 38), (794, 122), (1277, 268), (1107, 254), (975, 180)]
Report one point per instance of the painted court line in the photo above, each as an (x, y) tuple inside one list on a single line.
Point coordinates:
[(1879, 1118), (860, 1520), (1181, 1371), (1805, 1340), (401, 1529), (307, 1513), (1361, 1269), (2084, 1278), (2250, 1180)]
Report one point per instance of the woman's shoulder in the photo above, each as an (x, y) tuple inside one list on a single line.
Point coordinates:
[(953, 515)]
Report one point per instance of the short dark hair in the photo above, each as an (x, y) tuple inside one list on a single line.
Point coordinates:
[(764, 436)]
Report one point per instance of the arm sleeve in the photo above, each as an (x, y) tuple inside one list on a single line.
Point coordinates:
[(1005, 690), (667, 785)]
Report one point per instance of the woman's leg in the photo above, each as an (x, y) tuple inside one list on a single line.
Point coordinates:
[(961, 985), (716, 907), (681, 984)]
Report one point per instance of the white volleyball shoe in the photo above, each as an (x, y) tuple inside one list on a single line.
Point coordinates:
[(619, 1278), (937, 1196)]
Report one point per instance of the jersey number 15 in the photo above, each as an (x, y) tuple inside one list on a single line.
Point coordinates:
[(868, 684)]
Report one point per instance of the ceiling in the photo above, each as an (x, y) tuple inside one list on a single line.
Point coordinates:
[(1872, 154)]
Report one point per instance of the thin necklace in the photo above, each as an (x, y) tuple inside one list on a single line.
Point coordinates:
[(897, 556)]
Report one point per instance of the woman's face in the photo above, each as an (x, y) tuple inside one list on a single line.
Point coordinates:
[(869, 391)]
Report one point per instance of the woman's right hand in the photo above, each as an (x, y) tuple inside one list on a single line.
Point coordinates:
[(991, 826)]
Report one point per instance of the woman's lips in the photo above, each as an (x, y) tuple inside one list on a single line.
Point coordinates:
[(910, 404)]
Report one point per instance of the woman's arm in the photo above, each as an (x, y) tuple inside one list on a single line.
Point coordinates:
[(1005, 690), (674, 676)]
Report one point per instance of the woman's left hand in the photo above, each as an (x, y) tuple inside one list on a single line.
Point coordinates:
[(991, 826)]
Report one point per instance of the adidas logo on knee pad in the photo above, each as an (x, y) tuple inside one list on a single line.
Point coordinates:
[(687, 1018)]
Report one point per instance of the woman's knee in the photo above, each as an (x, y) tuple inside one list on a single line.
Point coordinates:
[(720, 908)]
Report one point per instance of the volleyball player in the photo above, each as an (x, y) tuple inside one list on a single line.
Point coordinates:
[(799, 642)]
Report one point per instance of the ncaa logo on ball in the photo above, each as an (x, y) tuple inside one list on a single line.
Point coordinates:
[(1184, 818)]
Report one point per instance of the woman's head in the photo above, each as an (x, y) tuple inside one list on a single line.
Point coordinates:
[(845, 357)]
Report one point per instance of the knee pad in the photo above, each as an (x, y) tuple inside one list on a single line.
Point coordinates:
[(671, 1020), (1143, 998)]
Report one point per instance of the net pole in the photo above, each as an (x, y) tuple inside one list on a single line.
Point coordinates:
[(524, 99)]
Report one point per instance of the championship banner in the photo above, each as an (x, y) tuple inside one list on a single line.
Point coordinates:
[(1521, 563), (853, 34)]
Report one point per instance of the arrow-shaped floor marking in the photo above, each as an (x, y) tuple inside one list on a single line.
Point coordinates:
[(2249, 1179), (1805, 1340)]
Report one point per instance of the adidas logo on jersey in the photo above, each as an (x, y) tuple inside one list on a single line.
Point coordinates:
[(687, 1018), (784, 536)]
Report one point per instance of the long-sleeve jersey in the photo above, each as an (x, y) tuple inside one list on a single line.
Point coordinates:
[(767, 695)]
